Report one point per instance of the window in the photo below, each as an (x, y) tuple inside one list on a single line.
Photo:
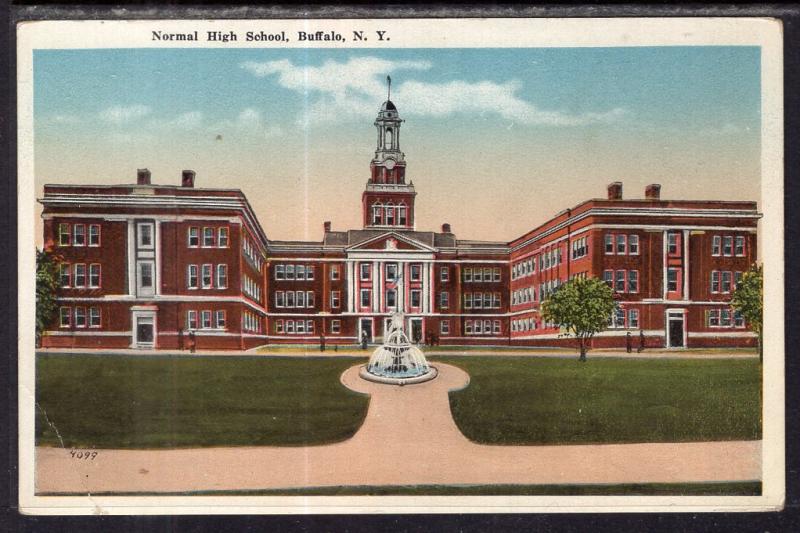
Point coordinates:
[(716, 245), (208, 237), (487, 300), (80, 275), (633, 318), (391, 271), (401, 215), (738, 319), (79, 235), (416, 299), (672, 279), (290, 272), (725, 318), (727, 245), (468, 300), (64, 317), (477, 300), (672, 243), (280, 272), (280, 301), (279, 326), (444, 327), (468, 327), (205, 319), (334, 272), (222, 237), (391, 298), (289, 298), (290, 326), (620, 318), (191, 276), (94, 317), (739, 250), (713, 317), (619, 285), (365, 298), (300, 299), (621, 248), (608, 277), (444, 274), (496, 300), (487, 274), (309, 326), (145, 234), (300, 326), (300, 272), (309, 298), (364, 269), (310, 273), (222, 276), (633, 281), (220, 322), (609, 240), (376, 214), (477, 327), (94, 235), (335, 299), (496, 327), (496, 272), (633, 244), (444, 300), (390, 215), (206, 277), (65, 274), (191, 319), (477, 275), (416, 272), (336, 326), (193, 237), (63, 235), (80, 317), (715, 281), (467, 274), (94, 275), (726, 282)]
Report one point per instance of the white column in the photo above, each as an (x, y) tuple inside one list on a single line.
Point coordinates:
[(685, 269), (131, 253), (375, 282), (157, 259), (350, 287), (431, 287), (425, 288), (381, 284), (664, 273), (401, 289)]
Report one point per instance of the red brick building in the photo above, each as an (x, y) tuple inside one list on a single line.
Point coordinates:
[(156, 266)]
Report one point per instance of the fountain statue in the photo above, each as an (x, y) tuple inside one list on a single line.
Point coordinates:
[(397, 361)]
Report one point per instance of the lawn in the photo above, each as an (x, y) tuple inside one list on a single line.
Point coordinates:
[(102, 401), (517, 400)]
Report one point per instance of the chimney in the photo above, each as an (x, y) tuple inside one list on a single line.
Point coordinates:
[(187, 178), (142, 176), (653, 191), (615, 190), (327, 226), (446, 228)]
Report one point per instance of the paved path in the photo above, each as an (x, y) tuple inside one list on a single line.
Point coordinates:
[(408, 438)]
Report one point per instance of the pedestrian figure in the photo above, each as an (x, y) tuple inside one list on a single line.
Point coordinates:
[(363, 339), (641, 341), (192, 341), (628, 342), (322, 343)]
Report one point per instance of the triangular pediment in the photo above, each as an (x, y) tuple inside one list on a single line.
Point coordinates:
[(391, 241)]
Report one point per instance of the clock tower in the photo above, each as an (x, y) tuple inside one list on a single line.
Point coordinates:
[(388, 201)]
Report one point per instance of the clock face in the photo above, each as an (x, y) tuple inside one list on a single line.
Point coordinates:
[(389, 164)]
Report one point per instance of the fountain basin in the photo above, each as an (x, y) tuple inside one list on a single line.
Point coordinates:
[(429, 375)]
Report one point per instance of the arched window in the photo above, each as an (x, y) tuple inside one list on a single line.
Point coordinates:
[(401, 215), (377, 213), (389, 137), (389, 214)]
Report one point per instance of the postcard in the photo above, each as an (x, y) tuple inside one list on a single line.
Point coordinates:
[(400, 265)]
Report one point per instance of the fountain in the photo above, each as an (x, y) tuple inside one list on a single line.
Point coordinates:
[(397, 361)]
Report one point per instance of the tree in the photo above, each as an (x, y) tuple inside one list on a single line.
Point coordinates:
[(748, 299), (581, 306), (46, 288)]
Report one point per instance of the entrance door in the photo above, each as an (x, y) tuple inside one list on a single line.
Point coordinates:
[(416, 330), (144, 331), (675, 331), (365, 325)]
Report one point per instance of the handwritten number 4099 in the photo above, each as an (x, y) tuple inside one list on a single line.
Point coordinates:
[(80, 454)]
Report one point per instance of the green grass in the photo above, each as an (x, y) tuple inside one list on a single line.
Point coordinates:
[(739, 488), (102, 401), (513, 400)]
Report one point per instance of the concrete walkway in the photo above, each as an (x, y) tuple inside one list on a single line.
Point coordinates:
[(408, 438)]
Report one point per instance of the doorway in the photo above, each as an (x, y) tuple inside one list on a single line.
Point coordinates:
[(365, 325), (144, 330), (675, 330), (415, 329)]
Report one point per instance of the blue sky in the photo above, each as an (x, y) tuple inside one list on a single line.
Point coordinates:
[(558, 122)]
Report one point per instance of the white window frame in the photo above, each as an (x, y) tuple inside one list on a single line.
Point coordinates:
[(220, 324), (444, 327), (368, 294), (222, 276), (279, 272), (139, 234), (208, 232), (97, 234), (336, 327), (75, 234), (205, 318), (633, 244), (716, 246), (223, 233), (192, 321), (280, 299), (95, 313), (444, 274), (76, 276), (91, 274), (335, 299), (207, 267), (195, 237)]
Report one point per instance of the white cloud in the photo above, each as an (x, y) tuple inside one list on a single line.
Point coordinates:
[(124, 114), (352, 88)]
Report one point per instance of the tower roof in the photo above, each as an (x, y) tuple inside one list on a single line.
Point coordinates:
[(388, 105)]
